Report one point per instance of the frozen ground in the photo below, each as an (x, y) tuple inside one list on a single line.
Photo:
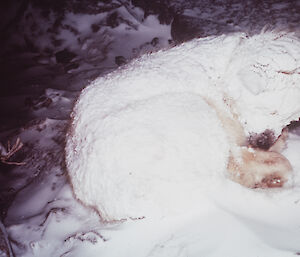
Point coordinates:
[(49, 61)]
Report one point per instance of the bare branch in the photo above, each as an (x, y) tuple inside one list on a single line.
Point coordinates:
[(11, 150)]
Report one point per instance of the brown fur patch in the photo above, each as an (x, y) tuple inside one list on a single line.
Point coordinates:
[(258, 168)]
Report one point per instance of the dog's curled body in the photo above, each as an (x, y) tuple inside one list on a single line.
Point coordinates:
[(150, 138)]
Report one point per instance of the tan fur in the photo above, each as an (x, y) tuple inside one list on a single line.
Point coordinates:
[(248, 166), (230, 121), (258, 168), (280, 143)]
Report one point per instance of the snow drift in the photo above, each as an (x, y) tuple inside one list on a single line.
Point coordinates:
[(150, 139)]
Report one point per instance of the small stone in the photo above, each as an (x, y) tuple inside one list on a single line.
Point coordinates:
[(64, 56), (185, 28), (95, 27), (112, 20), (120, 60), (155, 41)]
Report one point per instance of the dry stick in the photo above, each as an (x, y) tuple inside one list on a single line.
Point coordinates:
[(6, 240), (11, 150)]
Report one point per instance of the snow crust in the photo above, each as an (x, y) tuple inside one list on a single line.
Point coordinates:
[(144, 142)]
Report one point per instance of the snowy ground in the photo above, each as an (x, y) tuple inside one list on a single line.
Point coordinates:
[(46, 64)]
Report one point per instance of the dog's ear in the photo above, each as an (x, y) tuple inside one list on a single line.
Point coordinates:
[(280, 143)]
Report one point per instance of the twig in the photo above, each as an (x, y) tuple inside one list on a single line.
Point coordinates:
[(11, 150)]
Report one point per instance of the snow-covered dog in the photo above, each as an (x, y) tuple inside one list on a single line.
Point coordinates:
[(151, 137)]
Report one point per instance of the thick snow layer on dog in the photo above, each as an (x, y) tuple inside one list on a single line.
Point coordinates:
[(148, 153), (144, 141)]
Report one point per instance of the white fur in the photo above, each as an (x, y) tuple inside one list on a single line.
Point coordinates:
[(152, 137)]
